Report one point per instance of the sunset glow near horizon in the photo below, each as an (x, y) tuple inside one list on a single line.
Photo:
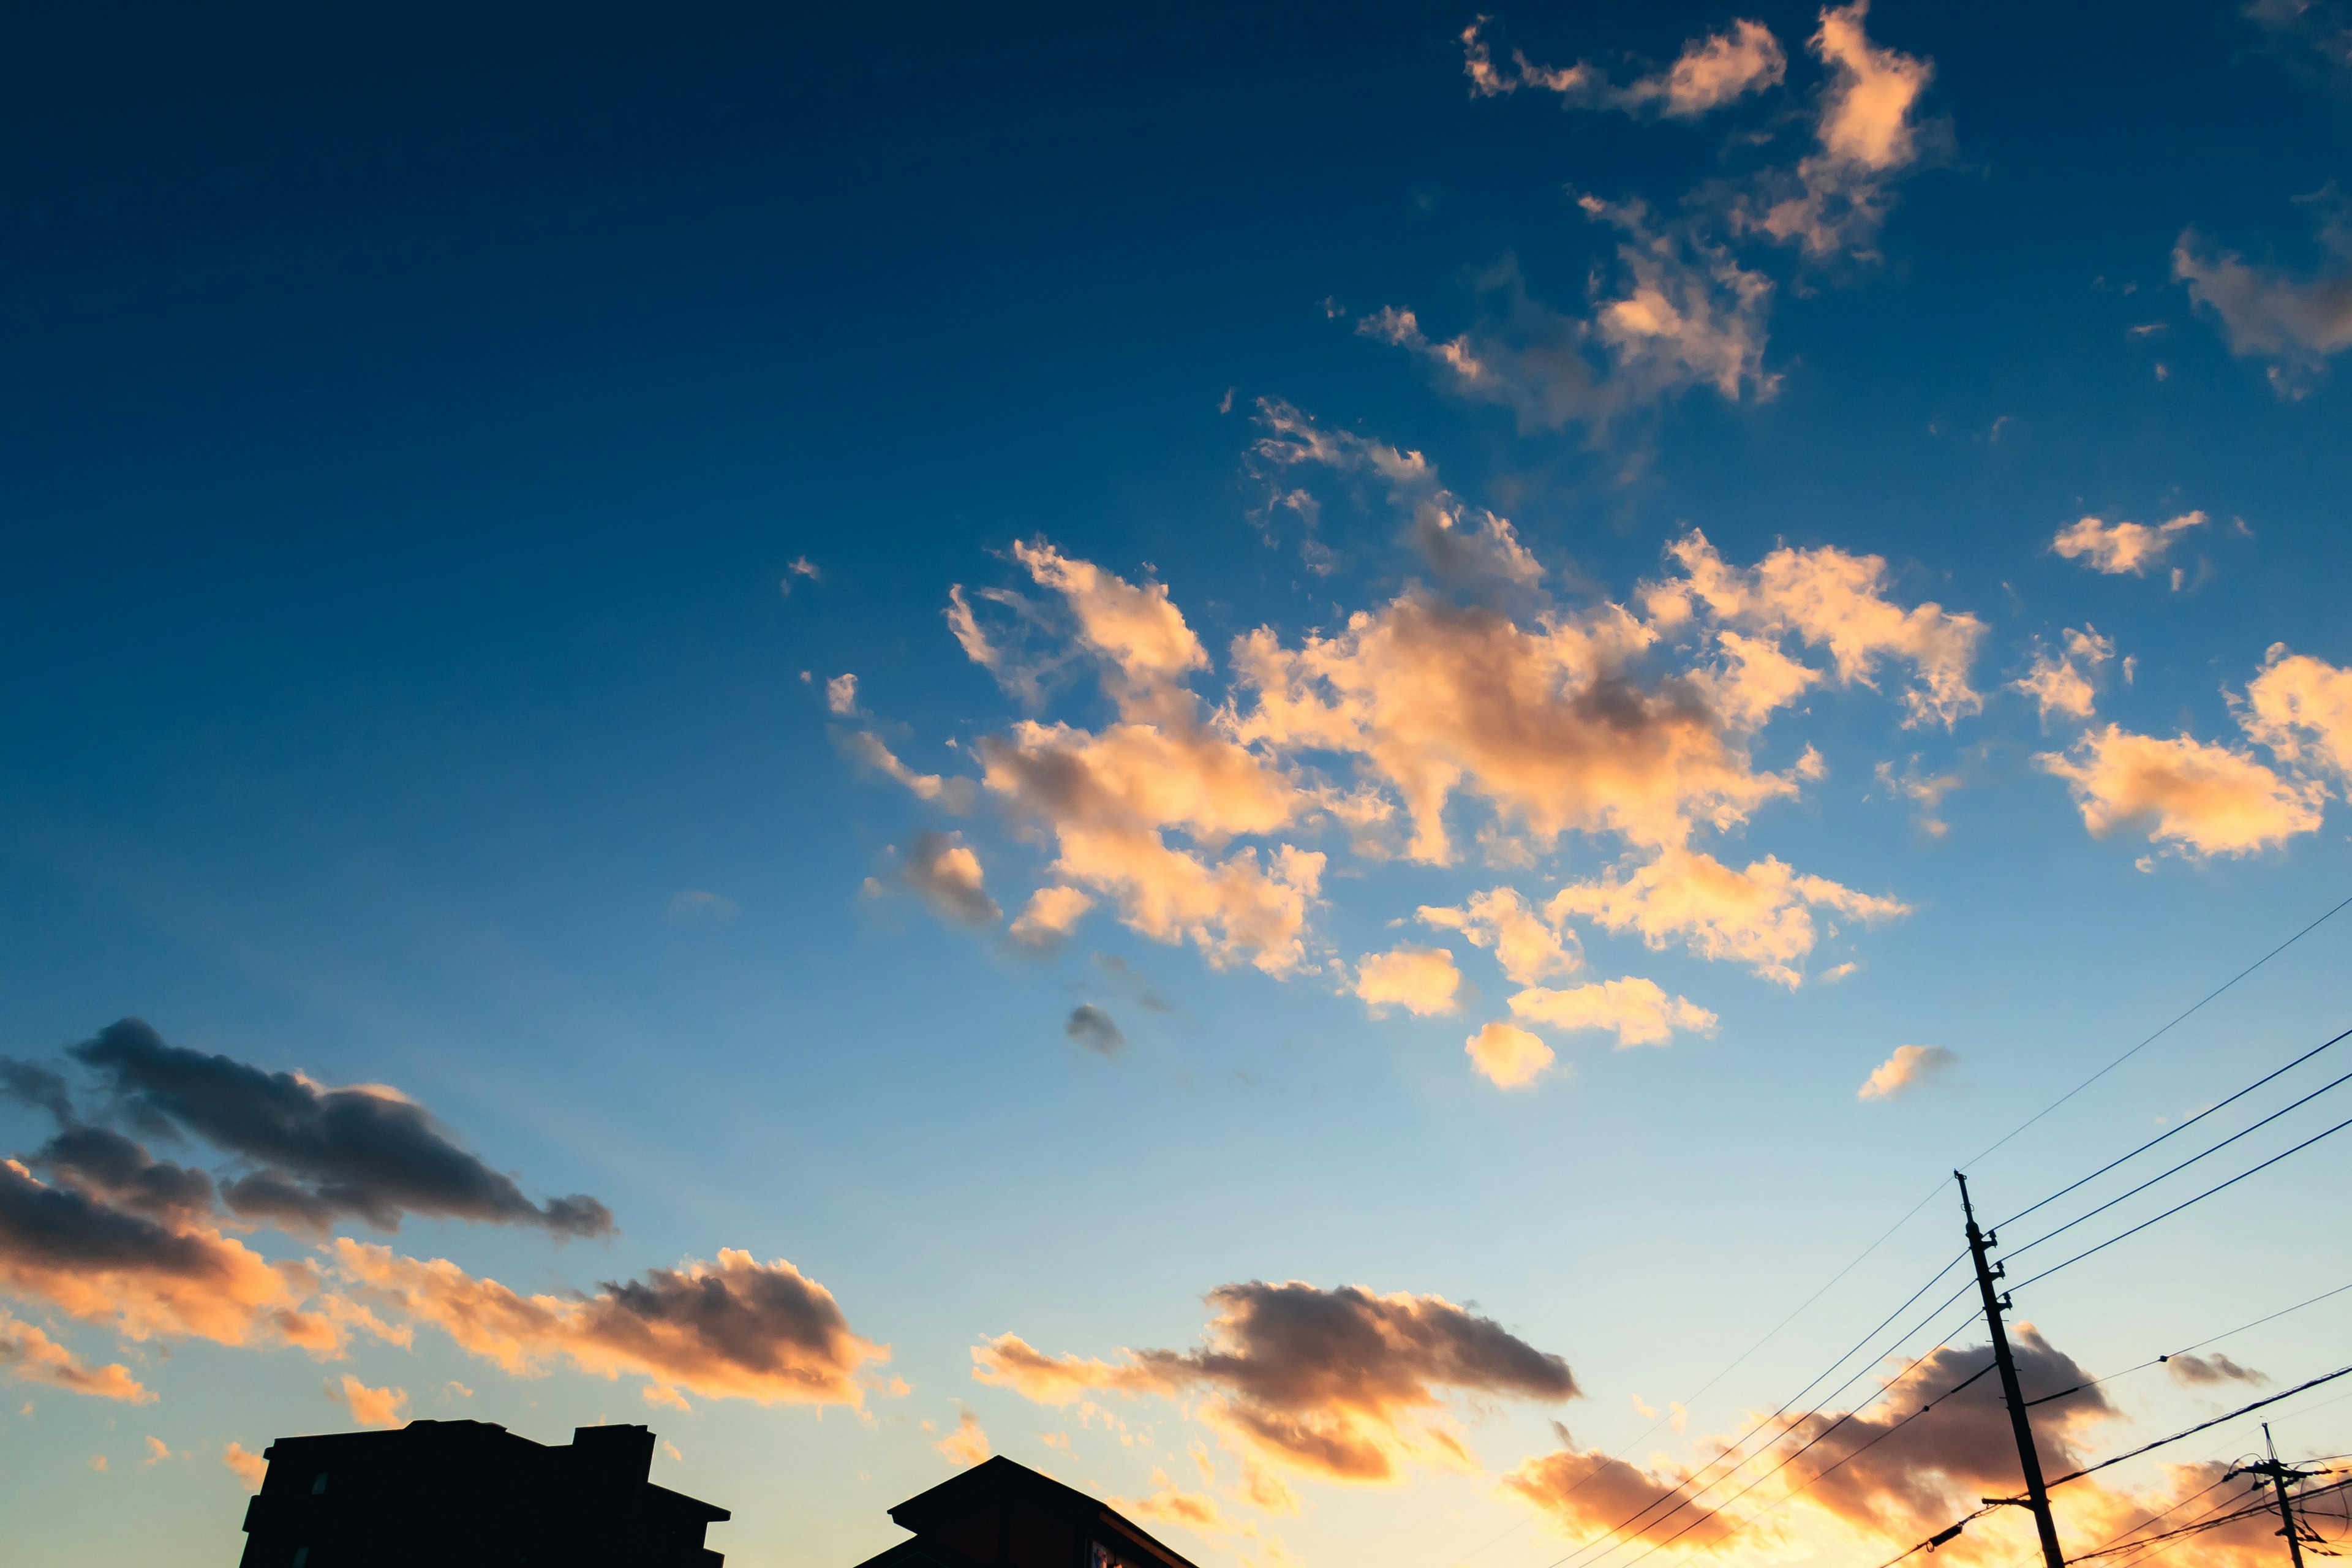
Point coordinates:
[(1312, 765)]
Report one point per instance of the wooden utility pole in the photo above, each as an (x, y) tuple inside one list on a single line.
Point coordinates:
[(2037, 1496), (2279, 1474)]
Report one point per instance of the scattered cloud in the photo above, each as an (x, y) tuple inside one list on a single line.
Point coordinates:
[(1049, 918), (1589, 1493), (370, 1406), (870, 752), (1092, 1027), (841, 694), (2120, 548), (1761, 916), (2198, 1370), (941, 870), (1530, 948), (2297, 323), (1342, 1384), (693, 904), (249, 1466), (31, 1356), (968, 1443), (1927, 789), (2061, 684), (2301, 707), (1637, 1010), (1507, 1056), (1421, 980), (735, 1329), (1710, 71), (2195, 799), (800, 567), (1905, 1070)]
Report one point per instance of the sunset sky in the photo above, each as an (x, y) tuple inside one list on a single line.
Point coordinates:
[(1285, 757)]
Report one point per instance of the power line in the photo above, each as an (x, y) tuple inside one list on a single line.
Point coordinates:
[(2173, 1131), (2200, 1344), (2168, 1028)]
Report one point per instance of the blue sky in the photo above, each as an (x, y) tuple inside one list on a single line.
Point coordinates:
[(452, 460)]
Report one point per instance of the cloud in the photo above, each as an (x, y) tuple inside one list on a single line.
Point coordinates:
[(1049, 918), (1761, 916), (1636, 1009), (841, 694), (1678, 312), (2205, 1369), (1137, 632), (735, 1329), (1421, 980), (1460, 543), (942, 870), (1866, 125), (31, 1356), (2301, 707), (120, 1171), (157, 1451), (250, 1467), (2062, 685), (801, 567), (968, 1443), (323, 1154), (2120, 548), (1507, 1056), (1927, 789), (2197, 799), (1343, 1384), (1905, 1070), (39, 1087), (1546, 724), (370, 1406), (145, 1278), (1829, 599), (2267, 312), (1710, 71), (1092, 1027), (1528, 948), (693, 904), (870, 752), (1589, 1493)]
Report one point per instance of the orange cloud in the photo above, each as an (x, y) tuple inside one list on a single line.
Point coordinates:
[(1636, 1009), (1421, 980), (1528, 948), (2061, 685), (1761, 916), (27, 1353), (250, 1467), (2119, 549), (735, 1329), (869, 751), (142, 1276), (1344, 1384), (2301, 707), (2198, 799), (1051, 915), (371, 1406), (1829, 599), (968, 1443), (941, 871), (1904, 1070), (1710, 71), (1507, 1056), (1588, 1493)]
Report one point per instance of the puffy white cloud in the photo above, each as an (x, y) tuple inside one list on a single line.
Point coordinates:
[(2117, 548), (2301, 707), (2198, 799), (1528, 948), (1636, 1010), (1761, 916), (1507, 1056), (2061, 684), (1828, 598), (1421, 980), (1909, 1066)]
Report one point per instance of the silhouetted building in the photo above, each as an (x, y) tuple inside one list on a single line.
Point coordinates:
[(471, 1492), (1000, 1514)]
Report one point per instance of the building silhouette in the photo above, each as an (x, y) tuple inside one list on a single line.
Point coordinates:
[(1000, 1514), (471, 1492)]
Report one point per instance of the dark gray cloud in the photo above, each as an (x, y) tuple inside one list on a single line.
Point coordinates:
[(946, 875), (323, 1154), (2195, 1369), (37, 1087), (49, 1229), (119, 1170), (1093, 1028)]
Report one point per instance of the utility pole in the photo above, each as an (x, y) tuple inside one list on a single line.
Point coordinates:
[(2037, 1496), (2279, 1476)]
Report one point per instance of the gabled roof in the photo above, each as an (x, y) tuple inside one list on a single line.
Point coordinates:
[(998, 1478)]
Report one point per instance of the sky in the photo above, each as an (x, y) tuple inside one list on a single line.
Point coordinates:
[(1311, 762)]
